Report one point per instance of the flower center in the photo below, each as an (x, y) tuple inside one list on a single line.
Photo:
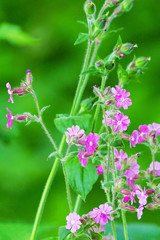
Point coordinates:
[(72, 222), (132, 138), (119, 123), (91, 143)]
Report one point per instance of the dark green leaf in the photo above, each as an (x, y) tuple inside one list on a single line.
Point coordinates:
[(14, 34), (82, 37), (63, 232), (81, 179), (63, 122)]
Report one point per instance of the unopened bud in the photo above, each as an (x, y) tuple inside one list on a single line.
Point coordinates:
[(125, 192), (99, 64), (131, 209), (110, 65), (156, 200), (97, 91), (141, 62), (90, 9), (155, 142), (19, 91), (29, 77), (101, 22), (124, 205), (125, 136), (23, 117), (106, 91), (127, 48), (137, 176), (150, 191), (151, 206), (82, 142), (127, 5), (86, 105), (88, 154), (109, 102)]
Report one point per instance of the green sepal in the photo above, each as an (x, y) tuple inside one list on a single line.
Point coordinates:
[(82, 37)]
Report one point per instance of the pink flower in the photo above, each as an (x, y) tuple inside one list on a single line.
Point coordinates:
[(120, 122), (102, 214), (83, 160), (99, 169), (123, 100), (10, 92), (142, 196), (92, 142), (140, 212), (119, 157), (74, 135), (144, 132), (131, 172), (116, 91), (10, 119), (131, 197), (73, 222), (134, 138), (154, 128), (157, 168)]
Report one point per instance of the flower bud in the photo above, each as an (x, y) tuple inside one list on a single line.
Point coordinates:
[(86, 105), (99, 64), (109, 102), (97, 91), (125, 192), (156, 200), (20, 91), (23, 117), (141, 62), (125, 136), (124, 205), (106, 91), (101, 22), (110, 65), (131, 209), (127, 48), (90, 8), (152, 206), (150, 191), (137, 176), (127, 5), (29, 77)]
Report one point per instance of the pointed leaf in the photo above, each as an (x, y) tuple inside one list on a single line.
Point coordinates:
[(82, 37), (81, 179), (63, 122)]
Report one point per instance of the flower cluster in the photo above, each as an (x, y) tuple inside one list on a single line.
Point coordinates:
[(145, 133), (76, 136)]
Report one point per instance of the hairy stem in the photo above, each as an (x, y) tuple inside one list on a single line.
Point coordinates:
[(124, 224), (77, 204), (153, 160)]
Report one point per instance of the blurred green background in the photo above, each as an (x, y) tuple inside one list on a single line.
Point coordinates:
[(56, 64)]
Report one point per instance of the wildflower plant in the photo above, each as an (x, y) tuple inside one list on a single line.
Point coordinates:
[(87, 150)]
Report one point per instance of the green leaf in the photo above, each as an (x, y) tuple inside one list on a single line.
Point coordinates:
[(156, 181), (118, 44), (63, 122), (81, 179), (14, 35), (63, 232), (82, 37), (118, 143), (91, 70), (109, 184), (122, 75)]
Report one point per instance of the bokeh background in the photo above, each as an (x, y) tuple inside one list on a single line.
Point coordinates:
[(45, 44)]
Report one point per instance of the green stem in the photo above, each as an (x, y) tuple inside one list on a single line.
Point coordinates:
[(81, 86), (153, 159), (93, 128), (78, 203), (113, 163), (124, 224), (67, 188), (112, 222)]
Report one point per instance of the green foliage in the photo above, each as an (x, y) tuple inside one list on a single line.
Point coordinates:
[(62, 121), (122, 75), (14, 34), (81, 179), (82, 37), (63, 232)]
